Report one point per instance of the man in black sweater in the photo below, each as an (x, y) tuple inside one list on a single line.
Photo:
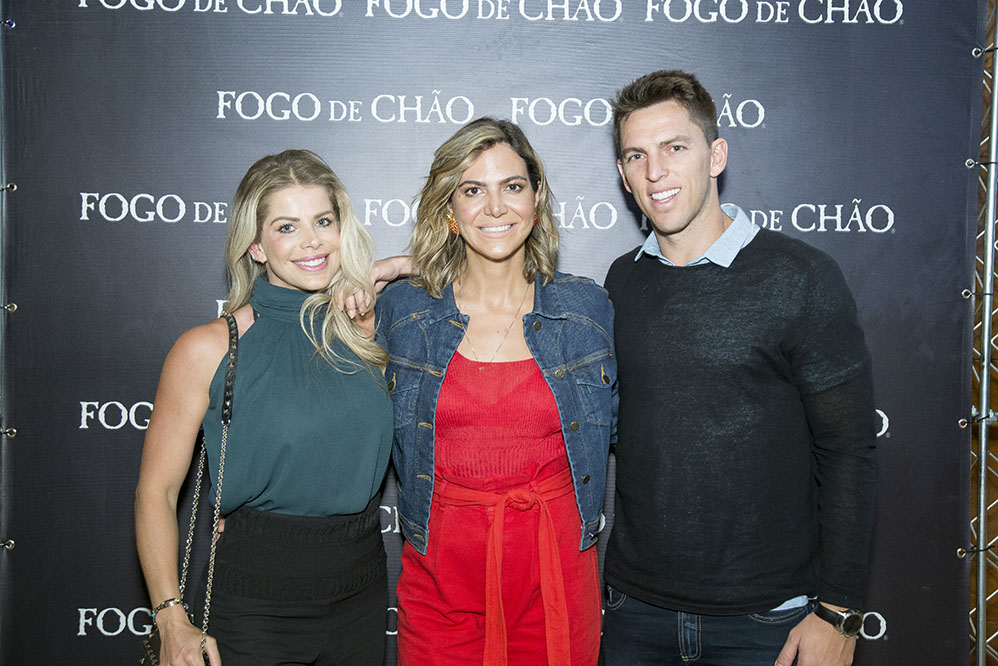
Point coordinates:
[(746, 466)]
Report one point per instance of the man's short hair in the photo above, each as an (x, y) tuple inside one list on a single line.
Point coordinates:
[(664, 86)]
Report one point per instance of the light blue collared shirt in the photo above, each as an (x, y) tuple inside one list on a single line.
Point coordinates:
[(722, 251)]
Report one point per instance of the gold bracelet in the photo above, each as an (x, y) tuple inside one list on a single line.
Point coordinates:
[(173, 601)]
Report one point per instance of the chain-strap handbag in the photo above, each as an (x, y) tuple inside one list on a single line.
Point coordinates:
[(152, 642)]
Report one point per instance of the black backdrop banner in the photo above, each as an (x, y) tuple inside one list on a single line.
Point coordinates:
[(128, 123)]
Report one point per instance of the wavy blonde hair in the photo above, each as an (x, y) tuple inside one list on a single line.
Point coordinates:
[(321, 320), (439, 254)]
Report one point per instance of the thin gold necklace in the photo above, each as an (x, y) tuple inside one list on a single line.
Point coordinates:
[(505, 335)]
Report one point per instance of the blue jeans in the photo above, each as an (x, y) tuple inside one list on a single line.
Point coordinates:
[(639, 634)]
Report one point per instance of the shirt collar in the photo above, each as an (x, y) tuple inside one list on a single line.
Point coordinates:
[(722, 251)]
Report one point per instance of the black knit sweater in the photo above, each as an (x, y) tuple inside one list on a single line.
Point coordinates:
[(746, 466)]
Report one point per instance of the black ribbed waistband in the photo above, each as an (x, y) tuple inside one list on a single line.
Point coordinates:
[(280, 557), (305, 530)]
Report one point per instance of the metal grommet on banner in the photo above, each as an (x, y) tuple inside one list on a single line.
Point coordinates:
[(10, 187), (966, 293), (971, 163), (8, 544), (963, 423), (9, 432), (963, 552), (9, 23), (10, 307), (977, 51)]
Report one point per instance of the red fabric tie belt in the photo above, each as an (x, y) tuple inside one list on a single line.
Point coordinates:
[(537, 493)]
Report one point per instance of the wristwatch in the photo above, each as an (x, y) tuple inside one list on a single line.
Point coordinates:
[(848, 622)]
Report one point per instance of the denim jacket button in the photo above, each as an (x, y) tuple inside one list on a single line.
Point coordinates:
[(537, 325), (559, 373), (574, 425)]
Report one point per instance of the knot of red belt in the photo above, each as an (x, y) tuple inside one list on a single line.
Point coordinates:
[(521, 498), (556, 625)]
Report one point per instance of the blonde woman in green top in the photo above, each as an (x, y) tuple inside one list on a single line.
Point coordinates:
[(300, 571)]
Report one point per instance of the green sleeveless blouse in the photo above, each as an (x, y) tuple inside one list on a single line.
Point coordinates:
[(305, 438)]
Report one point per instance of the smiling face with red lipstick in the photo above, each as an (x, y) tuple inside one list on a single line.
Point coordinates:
[(671, 169), (299, 241)]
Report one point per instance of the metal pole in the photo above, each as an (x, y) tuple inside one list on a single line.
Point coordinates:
[(985, 395)]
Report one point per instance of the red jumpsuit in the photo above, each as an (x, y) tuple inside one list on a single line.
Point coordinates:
[(502, 581)]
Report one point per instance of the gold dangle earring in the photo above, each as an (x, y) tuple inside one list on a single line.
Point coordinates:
[(452, 222)]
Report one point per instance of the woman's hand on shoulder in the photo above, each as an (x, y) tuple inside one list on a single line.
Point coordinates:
[(383, 272)]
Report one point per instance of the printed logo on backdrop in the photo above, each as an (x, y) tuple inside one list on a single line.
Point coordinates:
[(114, 415), (309, 106), (531, 10), (579, 213), (847, 12), (389, 520), (855, 217), (145, 207), (113, 621), (265, 7), (440, 108), (883, 12), (605, 11)]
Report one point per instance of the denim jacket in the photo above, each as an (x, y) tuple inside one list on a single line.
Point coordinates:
[(570, 334)]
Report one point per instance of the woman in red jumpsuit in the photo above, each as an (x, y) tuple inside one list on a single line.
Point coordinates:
[(503, 381)]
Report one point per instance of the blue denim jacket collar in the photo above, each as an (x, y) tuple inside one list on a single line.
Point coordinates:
[(547, 302), (445, 307)]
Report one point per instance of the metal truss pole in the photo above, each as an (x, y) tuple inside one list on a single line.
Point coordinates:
[(984, 401)]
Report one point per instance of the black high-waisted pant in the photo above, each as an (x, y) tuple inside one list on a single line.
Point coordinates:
[(297, 590)]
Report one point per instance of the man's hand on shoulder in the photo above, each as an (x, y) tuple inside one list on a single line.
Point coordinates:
[(815, 642)]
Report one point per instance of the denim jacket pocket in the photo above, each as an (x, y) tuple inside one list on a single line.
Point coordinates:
[(595, 377), (403, 384)]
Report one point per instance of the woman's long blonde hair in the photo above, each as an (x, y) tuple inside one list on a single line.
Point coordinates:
[(439, 254), (321, 320)]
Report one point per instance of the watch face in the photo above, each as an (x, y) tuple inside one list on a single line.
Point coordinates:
[(852, 624)]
